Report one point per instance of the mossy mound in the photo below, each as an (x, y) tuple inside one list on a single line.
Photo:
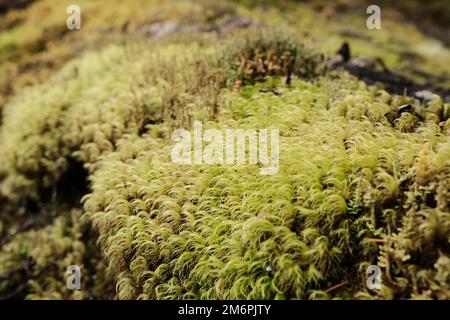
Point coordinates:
[(92, 103), (35, 262), (364, 176), (347, 179)]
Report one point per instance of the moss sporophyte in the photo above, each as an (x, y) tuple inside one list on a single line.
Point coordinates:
[(192, 150)]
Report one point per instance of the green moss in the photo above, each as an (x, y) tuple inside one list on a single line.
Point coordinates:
[(228, 233), (92, 103), (358, 184), (36, 262)]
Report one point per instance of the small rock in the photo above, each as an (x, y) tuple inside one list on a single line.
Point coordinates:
[(394, 114), (237, 23), (277, 91), (159, 29), (405, 108), (424, 95)]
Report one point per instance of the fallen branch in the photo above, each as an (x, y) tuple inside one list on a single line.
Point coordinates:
[(340, 284), (377, 240)]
